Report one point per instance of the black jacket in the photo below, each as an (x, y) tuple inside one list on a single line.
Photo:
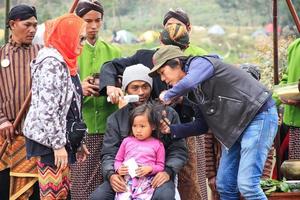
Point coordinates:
[(226, 103), (118, 128), (112, 69)]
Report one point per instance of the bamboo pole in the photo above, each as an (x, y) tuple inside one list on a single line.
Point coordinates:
[(276, 81), (294, 14), (18, 120), (275, 42), (73, 6), (6, 33)]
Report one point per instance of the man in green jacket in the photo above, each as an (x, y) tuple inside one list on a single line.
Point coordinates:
[(291, 115), (95, 108)]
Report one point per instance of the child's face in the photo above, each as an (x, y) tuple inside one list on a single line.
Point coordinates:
[(141, 127)]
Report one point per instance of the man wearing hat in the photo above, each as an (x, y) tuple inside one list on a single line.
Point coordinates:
[(137, 82), (17, 175), (86, 176)]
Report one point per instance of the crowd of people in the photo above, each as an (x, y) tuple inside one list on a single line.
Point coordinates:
[(196, 117)]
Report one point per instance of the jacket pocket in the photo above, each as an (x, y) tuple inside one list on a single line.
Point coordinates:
[(223, 98)]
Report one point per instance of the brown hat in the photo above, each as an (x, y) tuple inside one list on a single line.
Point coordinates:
[(175, 34), (164, 54)]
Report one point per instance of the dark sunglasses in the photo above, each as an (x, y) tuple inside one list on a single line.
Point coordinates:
[(82, 39)]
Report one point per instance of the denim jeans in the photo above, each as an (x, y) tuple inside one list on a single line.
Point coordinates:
[(242, 165)]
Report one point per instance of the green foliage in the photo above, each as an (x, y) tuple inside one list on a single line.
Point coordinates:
[(271, 185), (264, 57)]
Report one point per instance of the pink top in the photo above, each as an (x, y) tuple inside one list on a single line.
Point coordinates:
[(149, 152)]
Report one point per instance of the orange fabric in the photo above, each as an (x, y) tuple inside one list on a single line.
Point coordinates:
[(23, 172), (63, 34)]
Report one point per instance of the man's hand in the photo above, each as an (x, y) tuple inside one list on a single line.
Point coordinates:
[(159, 179), (82, 154), (114, 93), (143, 171), (117, 183), (212, 183), (123, 170), (7, 131), (88, 88), (291, 102)]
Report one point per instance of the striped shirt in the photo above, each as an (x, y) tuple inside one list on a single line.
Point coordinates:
[(15, 79)]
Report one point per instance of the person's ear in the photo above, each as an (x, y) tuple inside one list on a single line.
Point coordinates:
[(189, 28), (11, 24)]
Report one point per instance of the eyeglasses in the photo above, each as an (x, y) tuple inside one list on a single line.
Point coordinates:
[(82, 39)]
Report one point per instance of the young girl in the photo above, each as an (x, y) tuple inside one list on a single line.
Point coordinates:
[(143, 147)]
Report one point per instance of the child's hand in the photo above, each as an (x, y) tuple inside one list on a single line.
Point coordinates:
[(143, 171), (123, 170)]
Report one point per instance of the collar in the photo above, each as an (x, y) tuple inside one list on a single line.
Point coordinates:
[(15, 46)]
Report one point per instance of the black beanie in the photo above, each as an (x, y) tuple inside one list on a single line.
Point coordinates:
[(177, 14), (85, 6), (21, 12)]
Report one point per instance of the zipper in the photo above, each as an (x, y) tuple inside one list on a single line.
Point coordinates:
[(201, 93), (230, 99)]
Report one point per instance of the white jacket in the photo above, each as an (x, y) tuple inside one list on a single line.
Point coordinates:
[(52, 92)]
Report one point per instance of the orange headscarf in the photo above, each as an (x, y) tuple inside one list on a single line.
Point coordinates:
[(63, 34)]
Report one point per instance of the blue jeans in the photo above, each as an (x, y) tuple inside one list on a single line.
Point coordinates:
[(242, 165)]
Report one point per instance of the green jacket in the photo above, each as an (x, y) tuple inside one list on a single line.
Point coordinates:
[(291, 114), (194, 51), (96, 109)]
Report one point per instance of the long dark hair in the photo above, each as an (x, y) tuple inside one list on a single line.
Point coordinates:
[(153, 111)]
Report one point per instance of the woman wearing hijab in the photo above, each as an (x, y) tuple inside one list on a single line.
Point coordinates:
[(53, 126)]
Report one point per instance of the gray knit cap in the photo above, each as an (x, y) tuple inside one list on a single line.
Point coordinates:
[(137, 72)]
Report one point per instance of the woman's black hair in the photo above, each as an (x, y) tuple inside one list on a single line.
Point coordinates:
[(181, 61), (153, 111)]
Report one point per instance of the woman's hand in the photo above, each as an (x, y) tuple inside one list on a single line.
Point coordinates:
[(143, 171), (123, 170), (82, 154), (162, 98), (165, 123), (61, 158), (114, 93)]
